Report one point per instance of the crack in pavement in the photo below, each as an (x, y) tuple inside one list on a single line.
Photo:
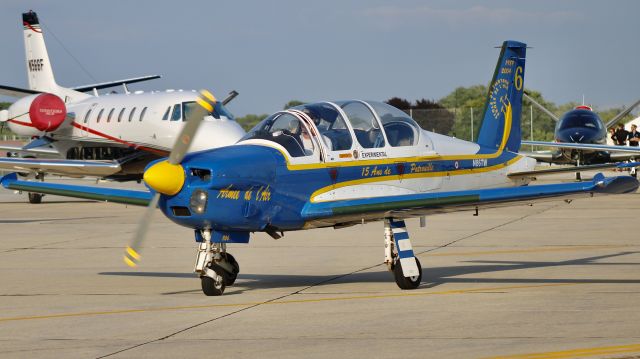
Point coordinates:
[(318, 284)]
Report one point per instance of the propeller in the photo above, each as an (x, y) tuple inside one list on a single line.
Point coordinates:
[(617, 118), (544, 109), (167, 177)]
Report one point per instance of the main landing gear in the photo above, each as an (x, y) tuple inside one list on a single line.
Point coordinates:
[(35, 198), (217, 268), (398, 255)]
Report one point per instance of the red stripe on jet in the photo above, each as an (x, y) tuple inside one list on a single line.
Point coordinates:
[(28, 124), (31, 27), (104, 135)]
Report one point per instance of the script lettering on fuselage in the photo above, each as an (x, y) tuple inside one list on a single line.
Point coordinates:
[(415, 168), (229, 193), (376, 171)]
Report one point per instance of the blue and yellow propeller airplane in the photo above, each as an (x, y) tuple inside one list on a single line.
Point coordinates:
[(336, 164)]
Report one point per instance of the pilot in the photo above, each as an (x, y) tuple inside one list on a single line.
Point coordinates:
[(633, 136)]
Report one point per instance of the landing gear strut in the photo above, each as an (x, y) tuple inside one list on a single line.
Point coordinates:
[(398, 255), (216, 268)]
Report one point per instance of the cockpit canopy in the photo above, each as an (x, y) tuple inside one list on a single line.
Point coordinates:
[(340, 126), (580, 118)]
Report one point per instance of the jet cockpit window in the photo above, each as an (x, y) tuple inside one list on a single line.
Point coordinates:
[(364, 124), (330, 124), (586, 119), (176, 115), (286, 130), (218, 110), (401, 130)]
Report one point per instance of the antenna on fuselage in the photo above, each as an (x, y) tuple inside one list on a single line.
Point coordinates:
[(233, 94)]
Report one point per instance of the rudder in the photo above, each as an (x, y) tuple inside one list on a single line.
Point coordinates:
[(500, 129), (39, 70)]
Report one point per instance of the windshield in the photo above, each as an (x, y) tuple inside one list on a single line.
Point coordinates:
[(580, 119), (286, 130), (189, 107)]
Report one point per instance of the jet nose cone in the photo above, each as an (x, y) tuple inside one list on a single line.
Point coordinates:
[(165, 178)]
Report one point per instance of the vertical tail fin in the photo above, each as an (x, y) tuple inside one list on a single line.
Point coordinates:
[(39, 68), (500, 128)]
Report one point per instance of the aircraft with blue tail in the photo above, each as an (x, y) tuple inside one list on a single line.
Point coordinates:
[(337, 164)]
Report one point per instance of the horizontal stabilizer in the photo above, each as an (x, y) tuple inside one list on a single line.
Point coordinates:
[(133, 197), (572, 169), (584, 146), (16, 91), (104, 85)]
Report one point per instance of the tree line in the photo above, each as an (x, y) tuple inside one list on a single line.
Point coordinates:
[(452, 114)]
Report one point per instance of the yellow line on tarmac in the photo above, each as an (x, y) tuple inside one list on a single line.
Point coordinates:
[(293, 301), (576, 353), (527, 250)]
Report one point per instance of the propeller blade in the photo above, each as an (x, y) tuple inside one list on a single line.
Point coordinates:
[(544, 109), (132, 252), (207, 102), (193, 118), (617, 118)]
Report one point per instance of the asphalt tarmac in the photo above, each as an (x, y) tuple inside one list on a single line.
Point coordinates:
[(555, 279)]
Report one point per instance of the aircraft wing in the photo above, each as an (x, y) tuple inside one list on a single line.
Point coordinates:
[(125, 196), (346, 212), (542, 156), (584, 146), (104, 85), (73, 168), (35, 151)]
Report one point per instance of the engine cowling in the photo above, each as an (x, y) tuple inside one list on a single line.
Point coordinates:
[(45, 111)]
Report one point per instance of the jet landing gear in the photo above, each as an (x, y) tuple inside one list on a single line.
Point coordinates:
[(398, 255), (217, 268), (35, 198)]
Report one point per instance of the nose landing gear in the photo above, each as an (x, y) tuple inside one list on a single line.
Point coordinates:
[(216, 268)]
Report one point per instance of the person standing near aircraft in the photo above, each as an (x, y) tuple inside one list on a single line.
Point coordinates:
[(620, 136), (633, 136)]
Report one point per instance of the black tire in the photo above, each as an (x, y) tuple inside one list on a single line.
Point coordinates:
[(230, 277), (406, 282), (210, 287), (35, 198)]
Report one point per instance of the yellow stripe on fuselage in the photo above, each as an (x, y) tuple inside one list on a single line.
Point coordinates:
[(413, 175)]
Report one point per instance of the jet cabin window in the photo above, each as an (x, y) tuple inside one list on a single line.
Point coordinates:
[(120, 115), (133, 111), (330, 124), (364, 124), (86, 116), (110, 114), (99, 115), (144, 110), (285, 130)]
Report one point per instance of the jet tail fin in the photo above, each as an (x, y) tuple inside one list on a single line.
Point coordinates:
[(500, 129), (39, 70)]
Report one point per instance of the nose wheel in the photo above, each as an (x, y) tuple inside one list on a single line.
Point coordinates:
[(216, 268), (399, 256), (403, 282)]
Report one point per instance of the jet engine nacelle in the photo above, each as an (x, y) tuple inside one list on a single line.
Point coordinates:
[(42, 112)]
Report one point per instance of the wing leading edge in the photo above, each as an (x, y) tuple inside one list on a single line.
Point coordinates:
[(349, 211), (584, 146), (125, 196)]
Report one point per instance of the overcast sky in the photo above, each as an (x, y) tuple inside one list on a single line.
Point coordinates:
[(275, 51)]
